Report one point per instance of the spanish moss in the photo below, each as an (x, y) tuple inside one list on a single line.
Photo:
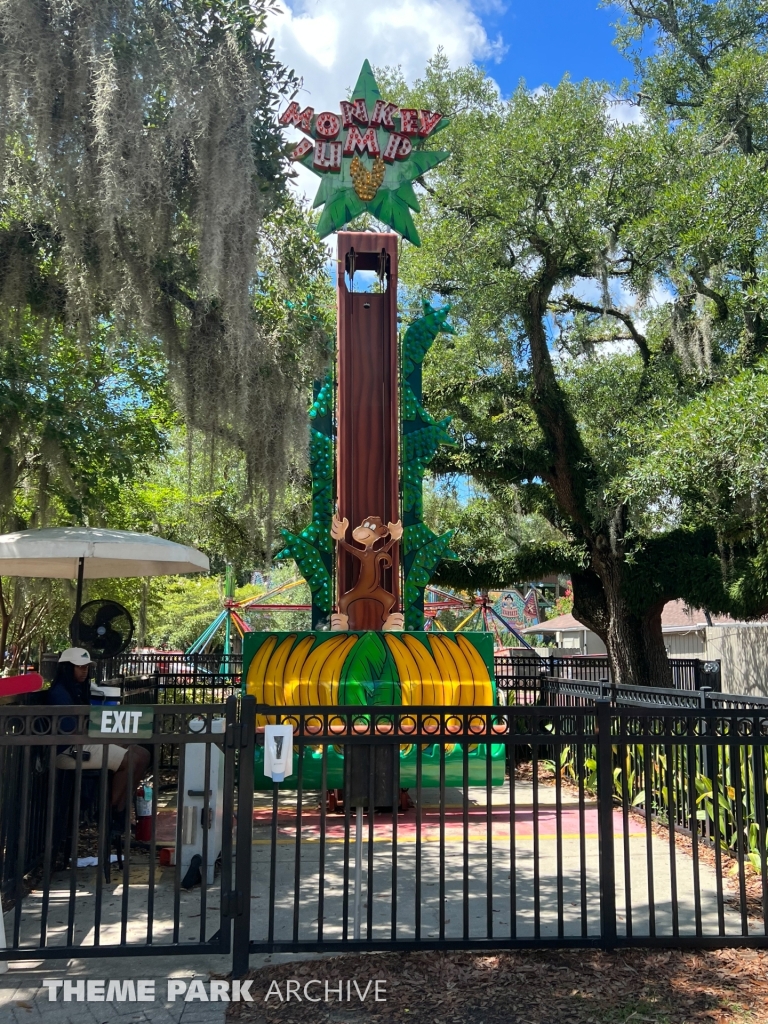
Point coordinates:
[(139, 160)]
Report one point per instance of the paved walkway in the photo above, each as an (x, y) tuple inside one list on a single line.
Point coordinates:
[(24, 1000), (528, 892)]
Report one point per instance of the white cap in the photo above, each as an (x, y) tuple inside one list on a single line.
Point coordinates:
[(77, 655)]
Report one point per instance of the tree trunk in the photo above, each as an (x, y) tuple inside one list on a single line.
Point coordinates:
[(634, 640)]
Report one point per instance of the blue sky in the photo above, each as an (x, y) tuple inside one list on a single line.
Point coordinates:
[(538, 40), (546, 39)]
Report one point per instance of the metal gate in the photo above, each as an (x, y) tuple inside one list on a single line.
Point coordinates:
[(66, 854), (521, 826)]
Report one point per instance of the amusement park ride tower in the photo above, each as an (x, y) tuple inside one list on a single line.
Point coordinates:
[(367, 555), (368, 477)]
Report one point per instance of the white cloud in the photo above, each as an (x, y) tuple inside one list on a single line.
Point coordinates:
[(625, 112), (327, 42)]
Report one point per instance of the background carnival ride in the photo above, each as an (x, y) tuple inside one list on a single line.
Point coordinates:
[(481, 612)]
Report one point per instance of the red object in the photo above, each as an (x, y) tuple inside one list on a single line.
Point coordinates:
[(144, 814), (368, 421), (144, 828), (30, 682)]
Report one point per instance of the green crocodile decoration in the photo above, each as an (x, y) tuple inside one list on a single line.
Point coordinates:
[(422, 435)]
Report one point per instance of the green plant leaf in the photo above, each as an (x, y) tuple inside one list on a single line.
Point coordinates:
[(369, 670)]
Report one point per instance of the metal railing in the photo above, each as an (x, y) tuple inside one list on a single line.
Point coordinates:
[(529, 826), (67, 834), (512, 672), (563, 692), (397, 828), (160, 663), (519, 677), (179, 690)]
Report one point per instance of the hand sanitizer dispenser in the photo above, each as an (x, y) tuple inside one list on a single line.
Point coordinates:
[(278, 751)]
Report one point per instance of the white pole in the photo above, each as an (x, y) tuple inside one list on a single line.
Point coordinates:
[(3, 963), (358, 869)]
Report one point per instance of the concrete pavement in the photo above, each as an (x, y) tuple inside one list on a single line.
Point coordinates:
[(526, 892)]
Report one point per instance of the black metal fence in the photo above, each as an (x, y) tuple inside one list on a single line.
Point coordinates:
[(202, 673), (530, 826), (179, 689), (606, 822), (67, 834), (175, 663), (141, 664), (563, 692), (518, 678)]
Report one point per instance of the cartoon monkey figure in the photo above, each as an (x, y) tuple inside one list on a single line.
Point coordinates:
[(368, 586)]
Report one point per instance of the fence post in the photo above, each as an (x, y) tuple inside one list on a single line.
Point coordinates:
[(3, 963), (758, 772), (709, 752), (605, 825), (545, 689), (697, 673), (241, 940)]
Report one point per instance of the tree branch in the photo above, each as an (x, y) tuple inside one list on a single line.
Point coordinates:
[(570, 303), (175, 292), (716, 297)]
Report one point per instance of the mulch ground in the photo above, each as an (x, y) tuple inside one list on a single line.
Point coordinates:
[(525, 987)]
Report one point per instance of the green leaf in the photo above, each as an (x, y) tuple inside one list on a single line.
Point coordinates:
[(370, 669)]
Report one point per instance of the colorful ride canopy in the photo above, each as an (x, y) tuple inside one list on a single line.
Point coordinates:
[(367, 156), (372, 669)]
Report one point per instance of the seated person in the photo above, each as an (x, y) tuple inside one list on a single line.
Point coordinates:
[(70, 686)]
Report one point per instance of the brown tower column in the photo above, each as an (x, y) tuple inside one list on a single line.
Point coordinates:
[(367, 411)]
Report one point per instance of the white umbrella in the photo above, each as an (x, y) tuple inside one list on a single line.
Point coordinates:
[(86, 552), (59, 554)]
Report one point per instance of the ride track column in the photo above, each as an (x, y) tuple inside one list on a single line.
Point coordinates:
[(367, 411)]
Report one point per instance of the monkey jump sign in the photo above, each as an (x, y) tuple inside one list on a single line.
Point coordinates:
[(367, 156)]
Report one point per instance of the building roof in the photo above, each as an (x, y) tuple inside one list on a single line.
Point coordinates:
[(678, 614), (561, 623), (676, 617)]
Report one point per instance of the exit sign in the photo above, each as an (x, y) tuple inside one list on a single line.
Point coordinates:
[(131, 721)]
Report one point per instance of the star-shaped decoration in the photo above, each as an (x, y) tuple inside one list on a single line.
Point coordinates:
[(367, 157)]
